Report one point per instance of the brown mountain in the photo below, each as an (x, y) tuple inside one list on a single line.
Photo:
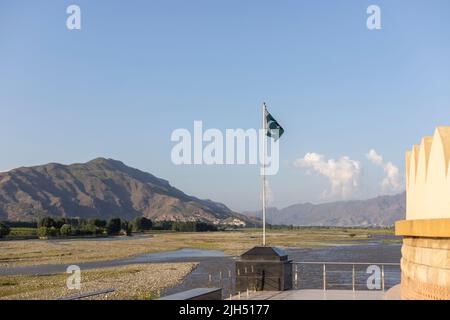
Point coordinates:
[(102, 188), (380, 211)]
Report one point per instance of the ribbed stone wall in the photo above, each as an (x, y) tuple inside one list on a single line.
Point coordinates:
[(425, 268)]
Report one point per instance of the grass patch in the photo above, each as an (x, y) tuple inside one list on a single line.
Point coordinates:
[(23, 232), (6, 282)]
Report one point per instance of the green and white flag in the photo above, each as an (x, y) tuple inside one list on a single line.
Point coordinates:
[(274, 129)]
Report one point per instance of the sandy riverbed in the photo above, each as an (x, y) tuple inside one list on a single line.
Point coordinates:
[(140, 281)]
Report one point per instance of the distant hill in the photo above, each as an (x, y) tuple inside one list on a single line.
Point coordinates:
[(102, 188), (380, 211)]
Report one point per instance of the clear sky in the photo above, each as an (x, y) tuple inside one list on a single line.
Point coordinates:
[(137, 70)]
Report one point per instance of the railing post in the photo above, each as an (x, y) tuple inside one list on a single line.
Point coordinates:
[(382, 284), (296, 277), (353, 277)]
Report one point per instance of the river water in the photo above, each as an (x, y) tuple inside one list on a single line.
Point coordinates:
[(220, 271), (183, 255)]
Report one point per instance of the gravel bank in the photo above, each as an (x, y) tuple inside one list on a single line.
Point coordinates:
[(139, 281)]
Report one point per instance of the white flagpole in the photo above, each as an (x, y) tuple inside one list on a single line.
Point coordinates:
[(264, 174)]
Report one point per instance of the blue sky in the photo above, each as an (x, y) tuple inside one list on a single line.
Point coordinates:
[(137, 70)]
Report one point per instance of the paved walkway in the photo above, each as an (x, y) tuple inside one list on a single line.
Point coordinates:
[(313, 295)]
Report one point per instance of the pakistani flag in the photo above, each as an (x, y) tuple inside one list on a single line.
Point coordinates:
[(274, 130)]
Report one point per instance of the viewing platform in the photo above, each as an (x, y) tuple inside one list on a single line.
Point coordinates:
[(317, 294)]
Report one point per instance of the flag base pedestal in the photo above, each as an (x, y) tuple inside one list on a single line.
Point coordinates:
[(264, 269)]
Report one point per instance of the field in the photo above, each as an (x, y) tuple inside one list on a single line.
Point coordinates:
[(35, 252)]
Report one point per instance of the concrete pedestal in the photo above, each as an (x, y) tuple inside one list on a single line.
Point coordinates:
[(264, 269)]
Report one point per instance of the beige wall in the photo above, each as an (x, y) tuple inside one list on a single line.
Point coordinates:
[(425, 260), (427, 178)]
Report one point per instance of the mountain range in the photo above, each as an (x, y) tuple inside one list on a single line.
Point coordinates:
[(107, 188), (381, 211), (103, 188)]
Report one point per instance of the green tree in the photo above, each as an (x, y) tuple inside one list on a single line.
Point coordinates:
[(89, 229), (66, 230), (141, 224), (60, 222), (113, 226), (4, 229), (203, 226), (97, 222), (126, 228), (147, 224), (74, 222), (46, 222), (184, 226), (47, 232)]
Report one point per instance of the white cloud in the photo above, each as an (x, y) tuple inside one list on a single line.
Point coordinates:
[(375, 157), (343, 174), (392, 182)]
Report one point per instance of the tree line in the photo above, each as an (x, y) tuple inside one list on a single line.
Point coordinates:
[(65, 227)]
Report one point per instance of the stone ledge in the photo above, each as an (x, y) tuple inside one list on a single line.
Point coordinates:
[(431, 228)]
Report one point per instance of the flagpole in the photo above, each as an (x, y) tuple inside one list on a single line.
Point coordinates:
[(264, 173)]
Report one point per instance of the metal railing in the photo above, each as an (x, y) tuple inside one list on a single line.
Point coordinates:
[(305, 275), (336, 274), (88, 294)]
